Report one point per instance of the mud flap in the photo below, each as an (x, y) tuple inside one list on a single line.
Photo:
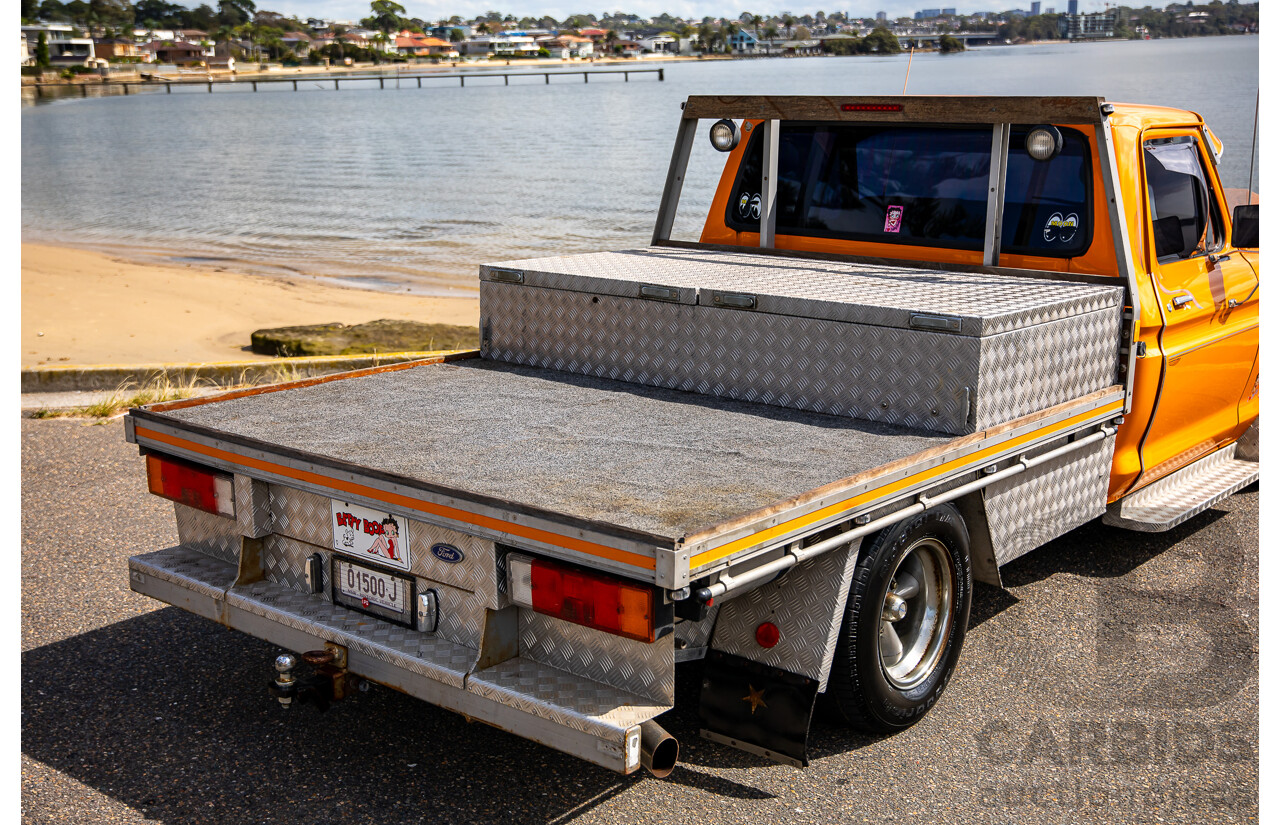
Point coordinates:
[(757, 708)]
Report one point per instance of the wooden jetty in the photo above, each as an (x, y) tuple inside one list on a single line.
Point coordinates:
[(321, 81)]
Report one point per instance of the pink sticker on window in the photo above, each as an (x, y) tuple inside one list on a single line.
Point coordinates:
[(893, 219)]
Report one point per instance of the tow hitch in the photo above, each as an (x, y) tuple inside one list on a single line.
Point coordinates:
[(328, 682)]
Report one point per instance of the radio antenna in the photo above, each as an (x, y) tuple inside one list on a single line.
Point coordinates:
[(1253, 146), (908, 77)]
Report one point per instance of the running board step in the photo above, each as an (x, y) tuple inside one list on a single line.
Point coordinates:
[(1179, 496)]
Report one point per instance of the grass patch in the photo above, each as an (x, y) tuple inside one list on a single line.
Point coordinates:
[(126, 397)]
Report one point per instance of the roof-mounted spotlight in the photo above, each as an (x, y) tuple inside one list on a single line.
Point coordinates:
[(1044, 143), (725, 135)]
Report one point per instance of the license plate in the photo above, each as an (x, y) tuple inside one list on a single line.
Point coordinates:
[(378, 592), (372, 535)]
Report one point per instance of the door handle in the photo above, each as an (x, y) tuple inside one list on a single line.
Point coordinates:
[(1181, 301)]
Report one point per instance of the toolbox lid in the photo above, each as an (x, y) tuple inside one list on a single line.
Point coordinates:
[(961, 303)]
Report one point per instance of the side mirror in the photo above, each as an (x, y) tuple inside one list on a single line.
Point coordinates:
[(1244, 226)]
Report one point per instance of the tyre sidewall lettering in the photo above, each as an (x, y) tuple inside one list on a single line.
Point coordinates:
[(885, 707)]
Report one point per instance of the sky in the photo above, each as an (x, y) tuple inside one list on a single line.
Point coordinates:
[(434, 9)]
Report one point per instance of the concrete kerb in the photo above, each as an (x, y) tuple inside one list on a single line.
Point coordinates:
[(73, 378)]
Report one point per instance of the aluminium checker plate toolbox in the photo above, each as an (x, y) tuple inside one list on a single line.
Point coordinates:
[(946, 351)]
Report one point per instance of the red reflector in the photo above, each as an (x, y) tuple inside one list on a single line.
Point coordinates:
[(600, 602), (191, 485), (871, 107), (767, 634)]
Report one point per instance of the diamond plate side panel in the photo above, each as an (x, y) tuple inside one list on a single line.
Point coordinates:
[(253, 506), (284, 562), (189, 568), (893, 376), (479, 570), (462, 614), (1028, 510), (427, 655), (642, 342), (1034, 368), (807, 605), (698, 634), (216, 536), (301, 515), (645, 669), (564, 698)]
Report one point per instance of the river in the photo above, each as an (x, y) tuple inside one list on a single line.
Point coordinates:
[(408, 188)]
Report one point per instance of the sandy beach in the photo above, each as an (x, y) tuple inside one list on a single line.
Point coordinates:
[(83, 307)]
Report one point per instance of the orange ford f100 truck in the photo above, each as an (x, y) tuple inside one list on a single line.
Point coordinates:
[(919, 337)]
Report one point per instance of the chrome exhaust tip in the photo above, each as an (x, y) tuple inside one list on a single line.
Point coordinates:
[(659, 750)]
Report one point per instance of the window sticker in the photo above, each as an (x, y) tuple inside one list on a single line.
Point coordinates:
[(893, 219), (1061, 228)]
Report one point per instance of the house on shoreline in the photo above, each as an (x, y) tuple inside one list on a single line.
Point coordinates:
[(65, 48), (412, 44)]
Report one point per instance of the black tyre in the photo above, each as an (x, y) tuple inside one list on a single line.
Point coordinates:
[(904, 622)]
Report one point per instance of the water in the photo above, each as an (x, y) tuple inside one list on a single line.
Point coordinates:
[(414, 188)]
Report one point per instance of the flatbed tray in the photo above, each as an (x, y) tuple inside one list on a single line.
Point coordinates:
[(659, 464)]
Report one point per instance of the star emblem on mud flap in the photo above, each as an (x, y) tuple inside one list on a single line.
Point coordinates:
[(755, 697), (364, 601)]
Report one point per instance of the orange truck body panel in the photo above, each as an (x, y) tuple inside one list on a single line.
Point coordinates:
[(1196, 388)]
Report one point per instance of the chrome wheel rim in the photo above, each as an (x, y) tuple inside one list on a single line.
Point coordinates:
[(915, 617)]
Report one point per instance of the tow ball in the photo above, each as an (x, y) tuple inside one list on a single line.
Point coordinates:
[(328, 682)]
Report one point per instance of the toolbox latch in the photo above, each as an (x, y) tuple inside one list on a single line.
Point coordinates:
[(735, 300), (945, 323), (506, 276), (659, 293)]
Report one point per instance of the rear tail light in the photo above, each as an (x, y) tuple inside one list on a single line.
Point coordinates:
[(191, 484), (593, 600)]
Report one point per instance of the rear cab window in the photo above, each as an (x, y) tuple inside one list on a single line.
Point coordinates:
[(919, 186)]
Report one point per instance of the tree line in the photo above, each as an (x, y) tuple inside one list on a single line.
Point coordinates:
[(1171, 21), (242, 19)]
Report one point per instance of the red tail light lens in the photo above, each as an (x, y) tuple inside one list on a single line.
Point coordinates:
[(590, 599), (191, 484)]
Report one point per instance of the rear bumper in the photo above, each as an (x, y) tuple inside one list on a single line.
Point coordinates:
[(587, 719)]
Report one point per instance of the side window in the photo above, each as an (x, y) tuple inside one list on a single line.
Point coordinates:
[(1184, 218)]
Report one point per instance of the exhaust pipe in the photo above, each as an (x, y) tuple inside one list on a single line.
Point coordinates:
[(659, 750)]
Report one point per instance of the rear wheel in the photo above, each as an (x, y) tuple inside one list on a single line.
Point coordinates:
[(904, 622)]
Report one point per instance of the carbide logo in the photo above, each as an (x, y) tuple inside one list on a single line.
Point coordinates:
[(447, 553)]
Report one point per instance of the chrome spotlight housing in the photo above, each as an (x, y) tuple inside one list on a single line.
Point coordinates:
[(1044, 143), (725, 135)]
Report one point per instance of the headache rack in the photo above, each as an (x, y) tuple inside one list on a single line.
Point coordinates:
[(1000, 113)]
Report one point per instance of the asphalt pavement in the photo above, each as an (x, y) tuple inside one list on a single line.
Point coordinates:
[(1114, 679)]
